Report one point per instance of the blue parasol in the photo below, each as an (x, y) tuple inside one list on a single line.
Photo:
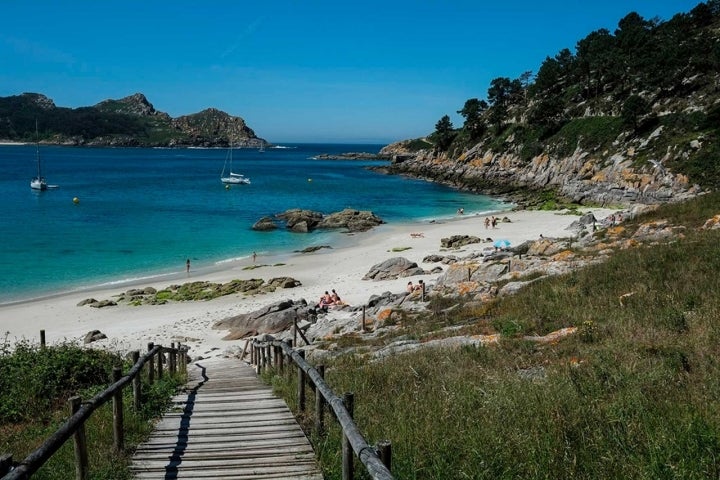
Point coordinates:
[(501, 243)]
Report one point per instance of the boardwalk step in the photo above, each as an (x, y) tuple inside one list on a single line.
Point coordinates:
[(226, 425)]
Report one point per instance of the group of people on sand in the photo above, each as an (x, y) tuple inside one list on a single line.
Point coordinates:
[(491, 221), (329, 300), (412, 288)]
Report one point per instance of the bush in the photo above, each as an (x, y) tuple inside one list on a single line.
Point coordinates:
[(32, 378)]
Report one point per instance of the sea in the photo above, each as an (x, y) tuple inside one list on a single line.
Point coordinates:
[(121, 215)]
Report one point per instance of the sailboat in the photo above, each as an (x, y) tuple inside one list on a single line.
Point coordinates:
[(38, 183), (262, 147), (232, 178)]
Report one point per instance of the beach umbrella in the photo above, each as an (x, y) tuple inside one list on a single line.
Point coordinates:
[(503, 243)]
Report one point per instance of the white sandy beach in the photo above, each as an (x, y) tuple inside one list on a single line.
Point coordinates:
[(341, 268)]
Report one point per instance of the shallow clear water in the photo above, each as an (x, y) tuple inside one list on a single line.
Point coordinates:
[(142, 212)]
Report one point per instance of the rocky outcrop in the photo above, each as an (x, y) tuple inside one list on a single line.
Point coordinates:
[(271, 319), (457, 241), (352, 220), (94, 336), (265, 224), (303, 221), (604, 178), (392, 268), (299, 220)]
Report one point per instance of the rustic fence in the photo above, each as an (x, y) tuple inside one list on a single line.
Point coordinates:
[(377, 460), (81, 410)]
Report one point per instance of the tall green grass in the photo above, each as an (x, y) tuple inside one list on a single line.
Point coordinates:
[(35, 384), (634, 394)]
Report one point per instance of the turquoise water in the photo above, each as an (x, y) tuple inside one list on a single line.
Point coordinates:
[(143, 212)]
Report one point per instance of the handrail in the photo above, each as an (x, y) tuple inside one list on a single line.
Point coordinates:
[(366, 453), (38, 457)]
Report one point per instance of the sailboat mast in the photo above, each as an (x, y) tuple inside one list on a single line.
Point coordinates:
[(37, 149)]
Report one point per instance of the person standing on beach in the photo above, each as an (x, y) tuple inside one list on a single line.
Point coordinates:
[(254, 256), (187, 266)]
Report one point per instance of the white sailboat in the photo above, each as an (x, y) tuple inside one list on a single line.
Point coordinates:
[(232, 178), (38, 183)]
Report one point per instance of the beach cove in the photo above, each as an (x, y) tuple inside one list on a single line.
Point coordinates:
[(340, 267)]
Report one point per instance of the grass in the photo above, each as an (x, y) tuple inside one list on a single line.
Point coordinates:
[(35, 384), (634, 394)]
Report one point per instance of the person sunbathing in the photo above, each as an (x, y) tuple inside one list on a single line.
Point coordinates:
[(336, 298)]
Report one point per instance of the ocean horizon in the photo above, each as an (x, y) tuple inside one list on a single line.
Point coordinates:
[(142, 212)]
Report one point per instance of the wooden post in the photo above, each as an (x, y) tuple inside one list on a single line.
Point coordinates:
[(301, 384), (5, 463), (384, 451), (136, 382), (347, 452), (151, 365), (268, 355), (319, 405), (257, 358), (184, 359), (295, 330), (469, 274), (42, 338), (276, 358), (173, 358), (362, 326), (281, 360), (118, 432), (81, 455), (423, 290), (160, 364)]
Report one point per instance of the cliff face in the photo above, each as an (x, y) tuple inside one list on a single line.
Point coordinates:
[(127, 122), (605, 178)]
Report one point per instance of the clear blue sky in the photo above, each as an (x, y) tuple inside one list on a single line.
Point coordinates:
[(296, 71)]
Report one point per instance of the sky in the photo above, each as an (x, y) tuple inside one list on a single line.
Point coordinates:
[(336, 71)]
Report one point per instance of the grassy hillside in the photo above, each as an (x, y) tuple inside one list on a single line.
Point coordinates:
[(634, 393)]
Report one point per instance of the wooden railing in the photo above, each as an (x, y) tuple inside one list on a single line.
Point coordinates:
[(80, 411), (377, 460)]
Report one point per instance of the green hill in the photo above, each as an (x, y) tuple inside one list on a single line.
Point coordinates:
[(131, 122), (627, 108)]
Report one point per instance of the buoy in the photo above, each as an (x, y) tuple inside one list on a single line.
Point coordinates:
[(76, 200), (309, 179), (227, 187)]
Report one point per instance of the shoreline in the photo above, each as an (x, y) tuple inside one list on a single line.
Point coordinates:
[(340, 267)]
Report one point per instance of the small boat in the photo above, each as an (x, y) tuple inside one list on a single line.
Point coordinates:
[(262, 147), (232, 178), (38, 183)]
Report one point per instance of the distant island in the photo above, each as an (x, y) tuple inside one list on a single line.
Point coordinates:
[(353, 156), (128, 122)]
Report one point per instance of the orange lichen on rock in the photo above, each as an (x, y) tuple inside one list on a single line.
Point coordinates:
[(487, 339), (563, 256), (711, 223), (384, 315), (463, 288), (616, 230)]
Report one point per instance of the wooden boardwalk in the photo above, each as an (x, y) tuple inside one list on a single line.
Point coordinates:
[(227, 425)]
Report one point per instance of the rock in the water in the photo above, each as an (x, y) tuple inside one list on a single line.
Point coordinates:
[(353, 220), (265, 224), (299, 220)]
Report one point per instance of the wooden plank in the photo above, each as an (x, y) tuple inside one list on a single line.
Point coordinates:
[(227, 424)]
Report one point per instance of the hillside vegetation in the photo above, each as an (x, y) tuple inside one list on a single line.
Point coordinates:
[(129, 122), (646, 95), (633, 393)]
